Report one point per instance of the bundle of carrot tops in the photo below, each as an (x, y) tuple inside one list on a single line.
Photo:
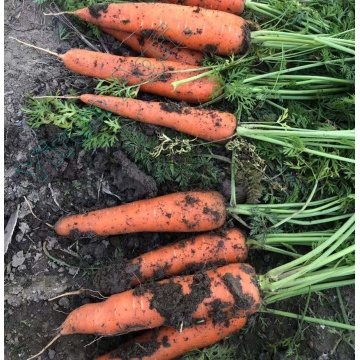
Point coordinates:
[(219, 290)]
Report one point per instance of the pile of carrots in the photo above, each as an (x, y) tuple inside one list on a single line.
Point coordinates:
[(189, 311)]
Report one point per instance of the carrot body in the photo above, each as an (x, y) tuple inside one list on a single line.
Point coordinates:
[(157, 50), (182, 212), (206, 124), (168, 343), (154, 75), (216, 295), (190, 254), (193, 27), (231, 6)]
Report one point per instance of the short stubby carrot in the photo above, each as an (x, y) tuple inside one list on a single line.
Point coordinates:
[(167, 343), (191, 211), (210, 125), (195, 28), (157, 49), (216, 295), (188, 255), (231, 6)]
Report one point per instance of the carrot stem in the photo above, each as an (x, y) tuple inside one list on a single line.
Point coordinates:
[(310, 319)]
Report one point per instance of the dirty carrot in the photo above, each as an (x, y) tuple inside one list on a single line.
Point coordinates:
[(168, 343), (191, 254), (231, 6), (211, 125), (199, 29), (182, 212), (157, 49), (216, 295), (153, 76)]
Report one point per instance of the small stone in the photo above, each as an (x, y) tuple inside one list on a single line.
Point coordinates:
[(18, 259)]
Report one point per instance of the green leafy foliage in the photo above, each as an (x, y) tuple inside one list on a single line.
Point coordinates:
[(96, 128)]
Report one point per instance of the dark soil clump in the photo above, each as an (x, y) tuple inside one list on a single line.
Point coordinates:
[(211, 48), (242, 302), (171, 303), (135, 350), (113, 279), (95, 10)]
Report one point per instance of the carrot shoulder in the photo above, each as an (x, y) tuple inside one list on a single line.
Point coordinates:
[(188, 255), (182, 212), (168, 343), (157, 49), (211, 125), (216, 295), (193, 27)]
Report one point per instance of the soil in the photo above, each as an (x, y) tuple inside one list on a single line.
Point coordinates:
[(39, 265)]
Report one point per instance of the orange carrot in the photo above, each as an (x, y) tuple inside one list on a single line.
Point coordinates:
[(182, 212), (157, 50), (231, 6), (211, 125), (167, 343), (155, 76), (199, 29), (191, 254), (216, 295)]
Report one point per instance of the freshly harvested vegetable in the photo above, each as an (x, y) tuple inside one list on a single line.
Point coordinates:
[(219, 295), (191, 254), (182, 212), (152, 75), (211, 125), (168, 343), (199, 29), (157, 50), (216, 295)]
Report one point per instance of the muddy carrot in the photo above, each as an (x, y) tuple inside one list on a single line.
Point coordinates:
[(191, 254), (160, 50), (168, 343), (153, 76), (195, 28), (182, 212), (211, 125), (216, 295)]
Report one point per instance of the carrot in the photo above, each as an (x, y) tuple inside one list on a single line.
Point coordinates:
[(183, 212), (216, 295), (211, 125), (154, 76), (158, 50), (199, 29), (231, 6), (168, 343), (190, 254)]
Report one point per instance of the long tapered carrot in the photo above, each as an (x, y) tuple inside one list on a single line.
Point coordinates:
[(211, 125), (157, 49), (216, 295), (191, 254), (183, 212), (168, 343), (231, 6), (155, 76), (199, 29)]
